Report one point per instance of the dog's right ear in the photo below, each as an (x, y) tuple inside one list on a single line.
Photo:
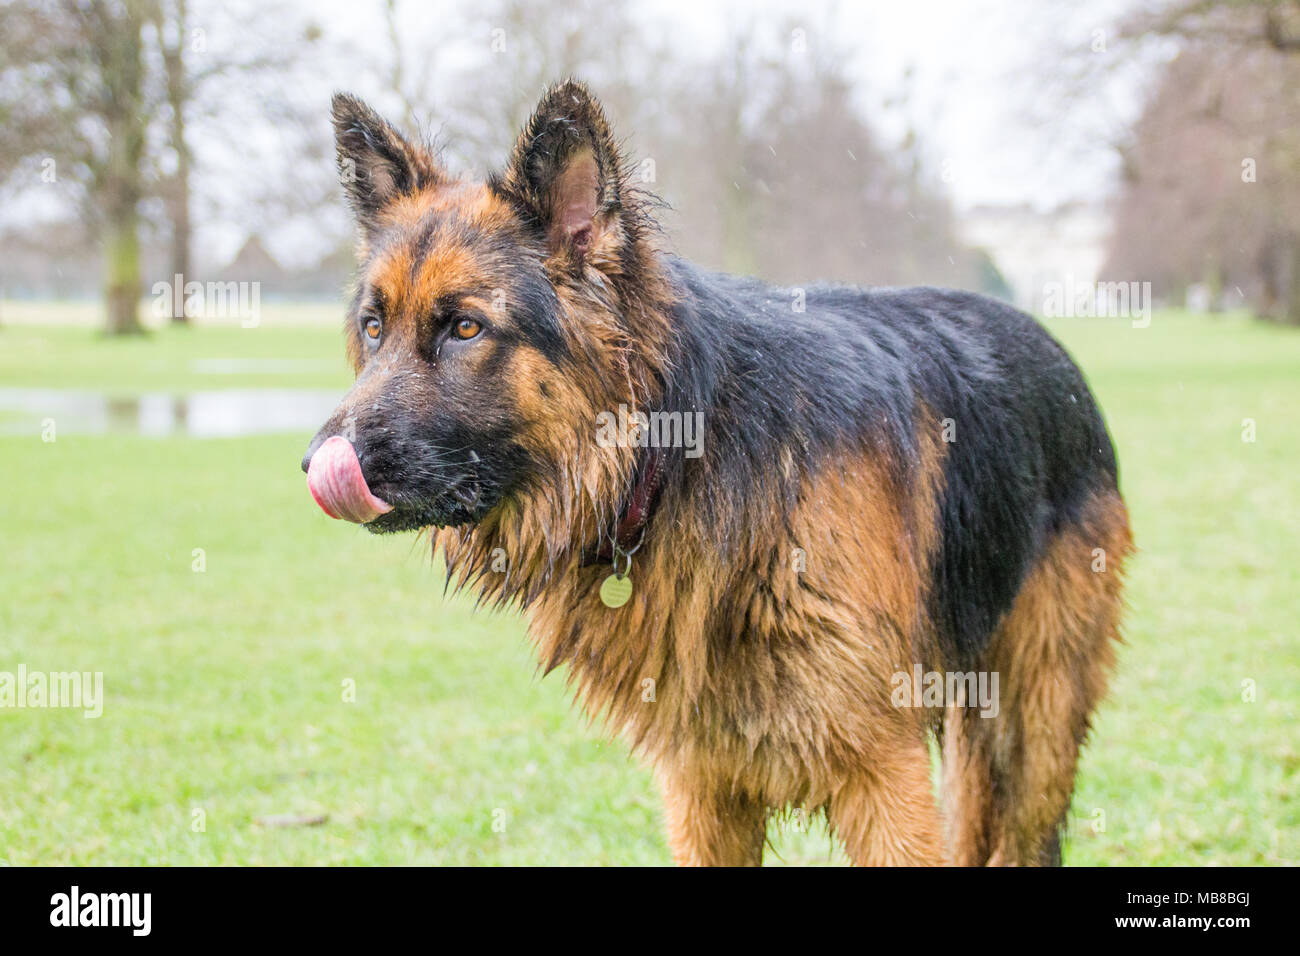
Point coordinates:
[(376, 164)]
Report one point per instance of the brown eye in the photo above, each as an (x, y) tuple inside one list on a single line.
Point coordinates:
[(373, 328), (466, 329)]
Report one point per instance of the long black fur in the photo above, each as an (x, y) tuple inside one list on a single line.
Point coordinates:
[(857, 366)]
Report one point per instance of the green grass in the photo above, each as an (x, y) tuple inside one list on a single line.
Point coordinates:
[(225, 687), (170, 358)]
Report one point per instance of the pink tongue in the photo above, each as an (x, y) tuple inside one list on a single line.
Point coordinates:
[(335, 481)]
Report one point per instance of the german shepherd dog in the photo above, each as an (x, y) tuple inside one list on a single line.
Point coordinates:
[(887, 483)]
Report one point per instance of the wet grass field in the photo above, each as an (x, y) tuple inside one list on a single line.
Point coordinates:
[(283, 688)]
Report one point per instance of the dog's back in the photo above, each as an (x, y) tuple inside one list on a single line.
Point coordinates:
[(1025, 449)]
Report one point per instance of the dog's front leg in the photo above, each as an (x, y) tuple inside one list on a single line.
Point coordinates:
[(707, 827), (885, 814)]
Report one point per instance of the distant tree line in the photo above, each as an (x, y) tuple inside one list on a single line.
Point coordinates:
[(1210, 196), (763, 150), (97, 97)]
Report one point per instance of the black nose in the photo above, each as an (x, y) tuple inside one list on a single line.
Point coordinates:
[(316, 442)]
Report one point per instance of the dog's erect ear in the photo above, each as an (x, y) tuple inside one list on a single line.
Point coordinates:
[(565, 172), (376, 164)]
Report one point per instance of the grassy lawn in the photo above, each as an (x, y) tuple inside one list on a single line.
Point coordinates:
[(225, 688), (177, 359)]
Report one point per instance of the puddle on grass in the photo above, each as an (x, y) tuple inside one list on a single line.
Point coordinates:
[(228, 413), (261, 366)]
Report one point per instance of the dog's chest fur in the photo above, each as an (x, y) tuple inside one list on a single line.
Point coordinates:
[(762, 669)]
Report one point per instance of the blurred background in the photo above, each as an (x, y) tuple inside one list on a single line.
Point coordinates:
[(174, 251), (995, 146)]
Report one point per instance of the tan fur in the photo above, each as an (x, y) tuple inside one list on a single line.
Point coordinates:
[(885, 813), (799, 711), (757, 678), (1008, 780)]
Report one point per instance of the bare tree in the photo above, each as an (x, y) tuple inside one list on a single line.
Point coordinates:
[(108, 93), (176, 193), (1274, 24), (528, 45), (113, 32), (412, 91), (1211, 188), (73, 96), (210, 86)]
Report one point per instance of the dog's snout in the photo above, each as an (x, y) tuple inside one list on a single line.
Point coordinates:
[(311, 449), (329, 430)]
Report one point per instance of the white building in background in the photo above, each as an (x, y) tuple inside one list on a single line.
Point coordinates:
[(1035, 250)]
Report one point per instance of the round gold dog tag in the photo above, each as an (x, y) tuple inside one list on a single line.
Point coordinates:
[(616, 590)]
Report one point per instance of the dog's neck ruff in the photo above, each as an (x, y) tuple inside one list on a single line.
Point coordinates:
[(638, 509)]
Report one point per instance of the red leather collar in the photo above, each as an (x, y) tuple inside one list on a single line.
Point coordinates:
[(639, 507)]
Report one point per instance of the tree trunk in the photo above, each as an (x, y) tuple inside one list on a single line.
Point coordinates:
[(178, 196), (119, 51), (1292, 313), (1213, 285), (1268, 304), (122, 272)]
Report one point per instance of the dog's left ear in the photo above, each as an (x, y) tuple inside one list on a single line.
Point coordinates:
[(565, 174)]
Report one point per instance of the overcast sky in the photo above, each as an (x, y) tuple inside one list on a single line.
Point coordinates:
[(980, 98), (983, 73), (980, 69)]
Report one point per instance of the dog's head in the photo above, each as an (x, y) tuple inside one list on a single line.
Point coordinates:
[(490, 320)]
